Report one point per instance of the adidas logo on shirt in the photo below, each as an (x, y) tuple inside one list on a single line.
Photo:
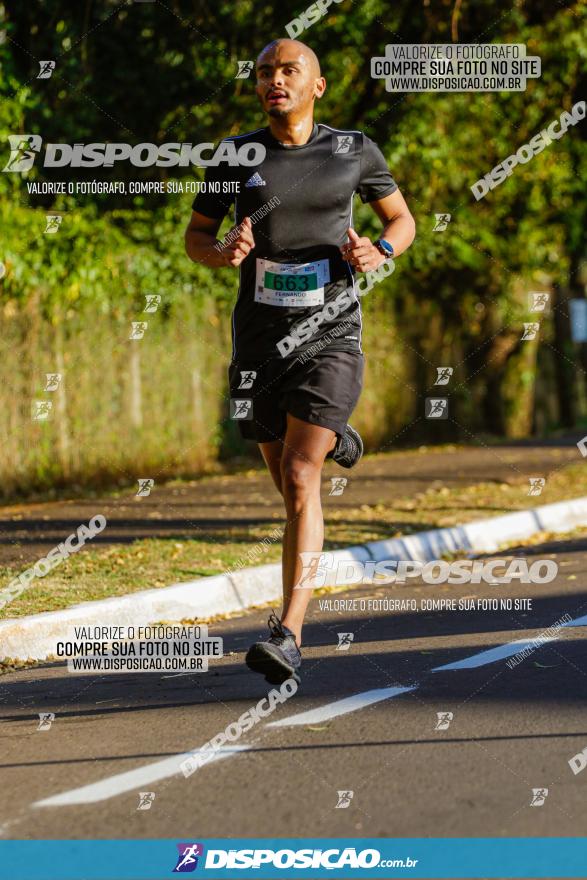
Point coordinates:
[(256, 180)]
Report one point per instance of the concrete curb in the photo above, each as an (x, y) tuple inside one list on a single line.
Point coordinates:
[(36, 637)]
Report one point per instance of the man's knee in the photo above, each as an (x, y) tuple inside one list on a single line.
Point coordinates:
[(299, 478)]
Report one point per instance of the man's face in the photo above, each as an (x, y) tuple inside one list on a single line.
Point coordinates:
[(286, 81)]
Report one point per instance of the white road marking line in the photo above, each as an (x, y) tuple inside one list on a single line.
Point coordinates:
[(341, 707), (123, 782), (494, 654), (133, 779)]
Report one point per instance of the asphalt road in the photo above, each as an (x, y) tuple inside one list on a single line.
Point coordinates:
[(203, 508), (512, 729)]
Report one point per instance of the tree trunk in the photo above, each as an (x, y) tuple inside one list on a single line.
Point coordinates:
[(136, 401), (566, 374), (61, 404)]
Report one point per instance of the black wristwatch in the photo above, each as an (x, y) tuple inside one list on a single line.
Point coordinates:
[(384, 247)]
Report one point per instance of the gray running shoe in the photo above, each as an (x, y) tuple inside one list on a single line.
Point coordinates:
[(349, 448), (279, 658)]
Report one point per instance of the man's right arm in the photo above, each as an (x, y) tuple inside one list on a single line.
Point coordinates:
[(200, 241), (202, 246)]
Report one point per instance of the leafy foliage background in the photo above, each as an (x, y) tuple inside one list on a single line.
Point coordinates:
[(164, 71)]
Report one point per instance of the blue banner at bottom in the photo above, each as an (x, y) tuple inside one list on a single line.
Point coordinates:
[(534, 857)]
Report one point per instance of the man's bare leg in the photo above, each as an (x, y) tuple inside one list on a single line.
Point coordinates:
[(295, 464), (272, 453), (305, 447)]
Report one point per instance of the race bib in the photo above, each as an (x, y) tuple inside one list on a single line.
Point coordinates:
[(291, 284)]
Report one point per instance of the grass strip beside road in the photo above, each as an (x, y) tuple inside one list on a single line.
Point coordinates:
[(121, 569)]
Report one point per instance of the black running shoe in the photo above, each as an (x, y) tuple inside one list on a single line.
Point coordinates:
[(278, 658), (348, 449)]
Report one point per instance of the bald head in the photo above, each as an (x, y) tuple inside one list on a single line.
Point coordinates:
[(294, 49), (289, 79)]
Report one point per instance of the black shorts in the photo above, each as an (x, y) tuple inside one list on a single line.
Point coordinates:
[(323, 390)]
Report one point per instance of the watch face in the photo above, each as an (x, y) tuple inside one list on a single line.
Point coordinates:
[(385, 248)]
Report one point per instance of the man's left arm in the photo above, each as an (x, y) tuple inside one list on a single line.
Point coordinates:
[(399, 230)]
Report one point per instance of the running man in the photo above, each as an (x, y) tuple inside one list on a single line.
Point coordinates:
[(300, 255)]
